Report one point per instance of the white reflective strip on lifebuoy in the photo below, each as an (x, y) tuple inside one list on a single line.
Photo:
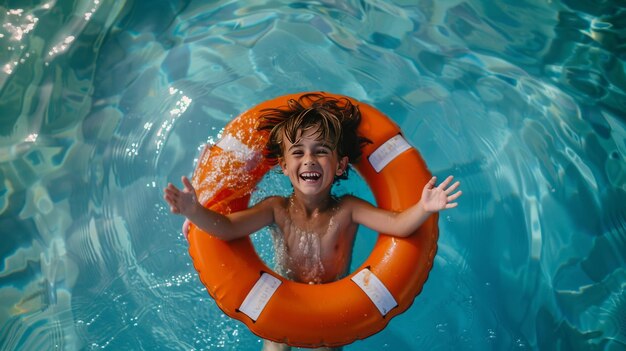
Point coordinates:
[(389, 150), (259, 295), (375, 290)]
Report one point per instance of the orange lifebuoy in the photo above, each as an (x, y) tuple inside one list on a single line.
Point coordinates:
[(304, 315)]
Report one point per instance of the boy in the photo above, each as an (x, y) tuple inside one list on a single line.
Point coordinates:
[(313, 146)]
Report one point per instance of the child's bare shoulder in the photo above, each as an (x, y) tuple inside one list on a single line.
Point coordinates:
[(349, 201)]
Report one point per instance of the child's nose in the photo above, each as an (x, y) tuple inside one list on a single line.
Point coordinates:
[(309, 160)]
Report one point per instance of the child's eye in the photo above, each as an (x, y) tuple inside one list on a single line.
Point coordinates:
[(322, 152)]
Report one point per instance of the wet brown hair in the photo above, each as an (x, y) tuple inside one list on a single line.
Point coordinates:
[(336, 120)]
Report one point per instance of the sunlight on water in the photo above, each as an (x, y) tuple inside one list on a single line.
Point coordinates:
[(103, 102)]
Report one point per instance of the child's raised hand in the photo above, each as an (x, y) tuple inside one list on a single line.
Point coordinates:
[(442, 197), (181, 201)]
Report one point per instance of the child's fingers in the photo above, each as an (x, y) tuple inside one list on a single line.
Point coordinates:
[(171, 188), (431, 183), (454, 196), (451, 205), (171, 199), (453, 187), (187, 183), (171, 191), (446, 182)]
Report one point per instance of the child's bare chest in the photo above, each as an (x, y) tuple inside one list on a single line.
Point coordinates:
[(320, 229), (316, 245)]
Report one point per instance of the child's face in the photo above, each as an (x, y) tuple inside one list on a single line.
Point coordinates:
[(310, 164)]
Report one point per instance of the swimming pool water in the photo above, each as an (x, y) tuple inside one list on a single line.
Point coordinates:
[(103, 102)]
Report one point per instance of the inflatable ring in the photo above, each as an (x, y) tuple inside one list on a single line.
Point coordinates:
[(303, 315)]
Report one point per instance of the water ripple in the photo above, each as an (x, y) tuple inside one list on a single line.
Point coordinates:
[(102, 105)]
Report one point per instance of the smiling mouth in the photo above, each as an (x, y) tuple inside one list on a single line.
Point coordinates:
[(310, 176)]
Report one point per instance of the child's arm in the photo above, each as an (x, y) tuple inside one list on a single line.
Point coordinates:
[(229, 227), (405, 223)]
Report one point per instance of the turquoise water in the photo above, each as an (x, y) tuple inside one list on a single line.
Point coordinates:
[(103, 102)]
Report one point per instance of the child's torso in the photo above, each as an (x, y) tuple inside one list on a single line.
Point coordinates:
[(314, 248)]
